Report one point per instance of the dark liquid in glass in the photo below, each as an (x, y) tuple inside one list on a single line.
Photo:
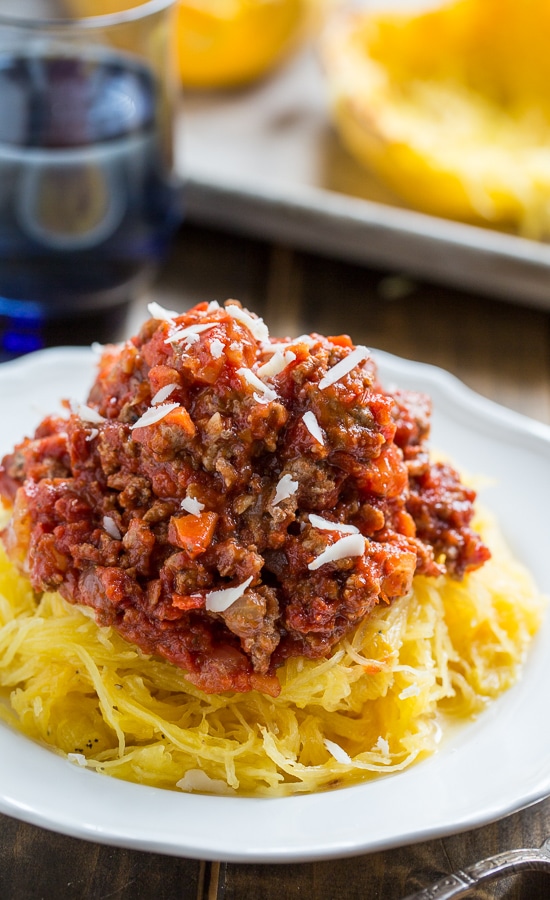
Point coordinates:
[(87, 198)]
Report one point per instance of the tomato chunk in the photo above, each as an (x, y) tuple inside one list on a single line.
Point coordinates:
[(193, 533)]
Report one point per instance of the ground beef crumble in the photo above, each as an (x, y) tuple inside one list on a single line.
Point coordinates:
[(226, 501)]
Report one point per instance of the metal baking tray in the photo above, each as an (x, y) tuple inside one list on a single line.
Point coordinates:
[(266, 162)]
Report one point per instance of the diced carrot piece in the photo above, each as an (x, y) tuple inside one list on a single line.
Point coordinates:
[(340, 340), (210, 369), (160, 376), (181, 417), (193, 533), (266, 684), (187, 601)]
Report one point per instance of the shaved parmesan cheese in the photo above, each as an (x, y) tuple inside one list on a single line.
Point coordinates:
[(383, 746), (351, 545), (219, 601), (267, 392), (191, 505), (212, 306), (260, 398), (255, 325), (285, 489), (216, 348), (156, 311), (111, 527), (154, 414), (411, 691), (276, 364), (163, 393), (197, 780), (190, 334), (77, 759), (344, 366), (327, 525), (93, 433), (313, 426), (273, 346), (337, 752), (86, 413)]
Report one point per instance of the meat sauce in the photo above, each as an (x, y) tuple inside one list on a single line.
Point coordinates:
[(227, 501)]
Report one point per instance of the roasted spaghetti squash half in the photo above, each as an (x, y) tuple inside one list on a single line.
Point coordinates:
[(450, 107)]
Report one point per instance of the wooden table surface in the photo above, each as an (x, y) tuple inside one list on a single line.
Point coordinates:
[(499, 349)]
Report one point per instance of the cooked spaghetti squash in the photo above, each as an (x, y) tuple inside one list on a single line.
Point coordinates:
[(374, 707), (228, 43), (225, 43), (450, 107)]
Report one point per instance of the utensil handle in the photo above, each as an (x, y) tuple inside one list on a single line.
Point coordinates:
[(507, 863)]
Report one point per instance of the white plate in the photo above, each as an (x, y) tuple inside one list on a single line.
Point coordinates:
[(484, 770)]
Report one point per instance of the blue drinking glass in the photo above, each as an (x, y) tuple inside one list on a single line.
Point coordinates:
[(88, 196)]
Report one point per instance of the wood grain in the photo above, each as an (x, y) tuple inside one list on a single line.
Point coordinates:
[(498, 349)]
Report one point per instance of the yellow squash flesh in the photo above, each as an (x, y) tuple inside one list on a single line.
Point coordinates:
[(451, 107), (225, 43)]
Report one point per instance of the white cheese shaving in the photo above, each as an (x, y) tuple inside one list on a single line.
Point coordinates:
[(197, 780), (285, 489), (313, 426), (212, 306), (411, 691), (154, 414), (255, 325), (383, 746), (111, 527), (163, 393), (189, 334), (77, 759), (219, 601), (93, 433), (350, 545), (344, 366), (192, 505), (267, 393), (156, 311), (337, 752), (273, 346), (278, 362), (327, 525), (86, 413), (216, 348)]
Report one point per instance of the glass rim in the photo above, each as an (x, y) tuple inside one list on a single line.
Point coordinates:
[(103, 20)]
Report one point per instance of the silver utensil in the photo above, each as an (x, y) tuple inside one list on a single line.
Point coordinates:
[(507, 863)]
